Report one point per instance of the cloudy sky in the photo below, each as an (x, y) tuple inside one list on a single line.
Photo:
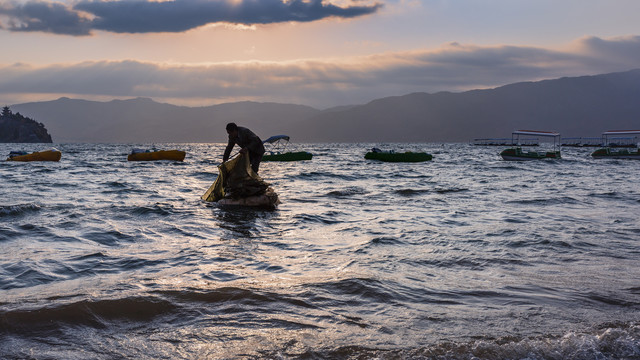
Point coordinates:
[(313, 52)]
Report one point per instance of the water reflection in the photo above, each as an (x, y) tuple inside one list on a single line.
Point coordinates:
[(242, 222)]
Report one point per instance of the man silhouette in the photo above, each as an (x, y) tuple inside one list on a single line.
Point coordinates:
[(248, 142)]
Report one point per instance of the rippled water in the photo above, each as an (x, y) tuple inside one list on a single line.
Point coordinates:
[(466, 256)]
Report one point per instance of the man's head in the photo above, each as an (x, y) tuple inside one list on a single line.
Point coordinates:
[(232, 129)]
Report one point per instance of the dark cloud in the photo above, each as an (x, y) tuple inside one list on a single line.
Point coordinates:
[(144, 16), (43, 16)]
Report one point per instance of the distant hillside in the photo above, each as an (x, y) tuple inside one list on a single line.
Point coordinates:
[(145, 121), (580, 106), (15, 128)]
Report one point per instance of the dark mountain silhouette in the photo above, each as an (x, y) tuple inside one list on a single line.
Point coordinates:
[(579, 106), (145, 121), (582, 106), (16, 128)]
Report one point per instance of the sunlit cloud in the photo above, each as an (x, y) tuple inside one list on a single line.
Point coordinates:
[(232, 26), (157, 16), (322, 83)]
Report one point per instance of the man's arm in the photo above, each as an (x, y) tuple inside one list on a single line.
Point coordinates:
[(227, 151)]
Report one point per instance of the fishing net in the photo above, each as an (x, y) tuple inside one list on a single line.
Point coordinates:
[(236, 181)]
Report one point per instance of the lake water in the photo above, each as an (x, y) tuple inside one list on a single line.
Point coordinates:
[(464, 257)]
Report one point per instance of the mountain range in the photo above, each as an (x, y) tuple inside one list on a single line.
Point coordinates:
[(574, 106)]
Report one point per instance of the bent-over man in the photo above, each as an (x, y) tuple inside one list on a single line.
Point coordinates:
[(248, 142)]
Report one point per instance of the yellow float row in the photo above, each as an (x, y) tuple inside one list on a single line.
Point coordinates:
[(55, 155)]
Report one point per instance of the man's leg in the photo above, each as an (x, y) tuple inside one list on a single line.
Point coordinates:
[(255, 162)]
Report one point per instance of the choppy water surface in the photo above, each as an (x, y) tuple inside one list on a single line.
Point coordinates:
[(467, 256)]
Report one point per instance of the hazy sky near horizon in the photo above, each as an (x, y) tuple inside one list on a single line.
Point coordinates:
[(311, 52)]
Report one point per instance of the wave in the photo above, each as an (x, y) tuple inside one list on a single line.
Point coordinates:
[(450, 190), (25, 274), (316, 175), (379, 242), (122, 190), (453, 263), (220, 295), (116, 184), (156, 209), (17, 210), (538, 242), (303, 200), (7, 233), (347, 192), (59, 184), (413, 175), (110, 238), (231, 312), (563, 200), (411, 192), (93, 313), (327, 219), (386, 240), (616, 341), (362, 290), (609, 194), (205, 175), (21, 275), (44, 170)]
